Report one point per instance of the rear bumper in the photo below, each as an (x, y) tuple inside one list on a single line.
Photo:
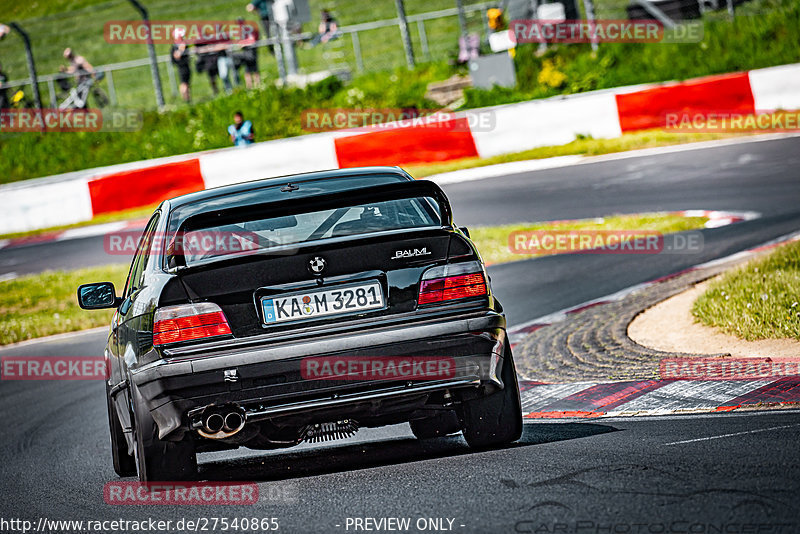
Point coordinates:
[(270, 382)]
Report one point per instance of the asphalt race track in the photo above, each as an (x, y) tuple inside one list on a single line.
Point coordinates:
[(731, 473)]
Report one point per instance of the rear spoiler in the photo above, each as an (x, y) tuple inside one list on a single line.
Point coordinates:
[(290, 206)]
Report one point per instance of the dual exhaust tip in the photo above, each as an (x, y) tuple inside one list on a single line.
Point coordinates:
[(222, 423), (228, 422)]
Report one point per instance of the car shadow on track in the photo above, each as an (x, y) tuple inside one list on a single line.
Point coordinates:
[(327, 459)]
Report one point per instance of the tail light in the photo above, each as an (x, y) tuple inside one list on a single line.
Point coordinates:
[(452, 281), (187, 322)]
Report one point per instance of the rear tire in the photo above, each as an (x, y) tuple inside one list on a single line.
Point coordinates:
[(124, 463), (497, 419), (160, 460), (440, 425)]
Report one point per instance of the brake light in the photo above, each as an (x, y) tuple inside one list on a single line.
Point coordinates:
[(187, 322), (451, 282)]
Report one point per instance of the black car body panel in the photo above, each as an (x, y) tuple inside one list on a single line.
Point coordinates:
[(257, 367)]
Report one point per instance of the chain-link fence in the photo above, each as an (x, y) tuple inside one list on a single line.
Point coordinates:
[(369, 40)]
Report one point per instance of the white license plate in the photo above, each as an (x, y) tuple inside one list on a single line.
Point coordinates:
[(313, 304)]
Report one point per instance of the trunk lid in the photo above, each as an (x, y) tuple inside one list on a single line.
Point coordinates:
[(319, 260)]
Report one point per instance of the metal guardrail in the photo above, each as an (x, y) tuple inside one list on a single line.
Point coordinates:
[(352, 30)]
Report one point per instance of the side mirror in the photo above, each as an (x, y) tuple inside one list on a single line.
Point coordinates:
[(97, 296), (465, 230)]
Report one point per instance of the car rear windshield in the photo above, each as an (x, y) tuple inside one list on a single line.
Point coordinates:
[(258, 234)]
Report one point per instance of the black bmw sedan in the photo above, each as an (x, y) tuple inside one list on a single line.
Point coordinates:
[(302, 308)]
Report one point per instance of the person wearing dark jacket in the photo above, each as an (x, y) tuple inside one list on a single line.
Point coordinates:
[(179, 54)]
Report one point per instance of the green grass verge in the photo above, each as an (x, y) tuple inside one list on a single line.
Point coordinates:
[(45, 304), (492, 241), (757, 301)]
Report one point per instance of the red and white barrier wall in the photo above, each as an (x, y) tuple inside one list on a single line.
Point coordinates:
[(55, 201)]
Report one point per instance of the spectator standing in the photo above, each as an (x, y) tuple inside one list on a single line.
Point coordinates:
[(213, 56), (264, 9), (207, 62), (248, 57), (180, 58), (241, 131), (226, 68)]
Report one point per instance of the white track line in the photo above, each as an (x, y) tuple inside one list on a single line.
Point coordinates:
[(93, 230), (501, 169), (56, 337), (732, 435), (8, 276)]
